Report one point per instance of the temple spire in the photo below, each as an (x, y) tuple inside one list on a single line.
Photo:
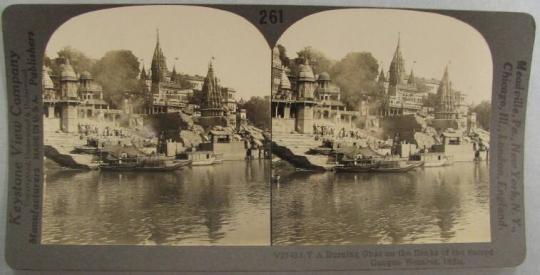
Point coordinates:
[(143, 73), (159, 64), (212, 104), (396, 74), (411, 80)]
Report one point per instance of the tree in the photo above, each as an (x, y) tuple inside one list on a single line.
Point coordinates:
[(258, 111), (355, 74), (483, 114), (78, 60), (117, 73), (317, 60), (285, 61)]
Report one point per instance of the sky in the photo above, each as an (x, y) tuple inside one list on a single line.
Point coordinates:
[(189, 36), (428, 43)]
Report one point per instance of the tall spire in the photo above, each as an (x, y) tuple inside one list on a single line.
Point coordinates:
[(411, 80), (446, 103), (143, 75), (174, 74), (212, 104), (159, 65), (397, 68), (381, 77)]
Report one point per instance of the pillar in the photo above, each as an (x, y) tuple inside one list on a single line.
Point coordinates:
[(304, 119), (69, 118)]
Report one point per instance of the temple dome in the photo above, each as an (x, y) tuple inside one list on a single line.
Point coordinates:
[(285, 83), (67, 72), (46, 79), (86, 75), (324, 76), (305, 73)]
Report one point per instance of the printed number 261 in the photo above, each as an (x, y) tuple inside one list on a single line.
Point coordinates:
[(271, 16)]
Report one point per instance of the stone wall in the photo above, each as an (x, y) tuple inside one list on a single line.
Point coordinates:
[(283, 125), (235, 150), (406, 126)]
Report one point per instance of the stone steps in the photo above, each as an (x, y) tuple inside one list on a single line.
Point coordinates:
[(293, 148)]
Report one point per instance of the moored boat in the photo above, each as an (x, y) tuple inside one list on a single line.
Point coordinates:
[(356, 166), (393, 166), (146, 164), (432, 159), (198, 158)]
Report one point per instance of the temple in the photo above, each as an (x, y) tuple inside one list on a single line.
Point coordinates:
[(302, 101)]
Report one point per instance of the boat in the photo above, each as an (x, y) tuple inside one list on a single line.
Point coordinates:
[(356, 166), (144, 164), (218, 158), (432, 159), (199, 158), (393, 166)]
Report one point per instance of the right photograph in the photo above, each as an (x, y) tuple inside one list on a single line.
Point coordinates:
[(380, 130)]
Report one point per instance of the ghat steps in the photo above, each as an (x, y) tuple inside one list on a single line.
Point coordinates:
[(58, 147), (293, 147)]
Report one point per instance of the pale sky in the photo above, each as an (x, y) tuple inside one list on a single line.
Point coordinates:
[(191, 34), (431, 40)]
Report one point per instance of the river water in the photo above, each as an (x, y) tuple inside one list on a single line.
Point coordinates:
[(224, 204), (428, 205)]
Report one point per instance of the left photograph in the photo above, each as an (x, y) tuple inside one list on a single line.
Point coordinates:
[(156, 129)]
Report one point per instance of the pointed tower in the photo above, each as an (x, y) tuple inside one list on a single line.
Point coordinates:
[(396, 75), (159, 65), (381, 82), (411, 79), (70, 101), (306, 98), (277, 69), (446, 108), (48, 93), (174, 75), (381, 78), (212, 103), (143, 75)]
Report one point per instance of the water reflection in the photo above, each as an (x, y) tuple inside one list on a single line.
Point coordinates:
[(428, 205), (225, 204)]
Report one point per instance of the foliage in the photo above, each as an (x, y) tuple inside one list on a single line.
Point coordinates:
[(258, 111), (317, 60), (117, 73), (78, 60), (483, 114), (285, 61), (355, 74)]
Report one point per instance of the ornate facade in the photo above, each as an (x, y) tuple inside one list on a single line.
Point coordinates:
[(163, 92), (401, 93), (302, 100), (72, 98)]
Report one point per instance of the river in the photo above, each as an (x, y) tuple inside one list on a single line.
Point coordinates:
[(223, 204), (427, 205)]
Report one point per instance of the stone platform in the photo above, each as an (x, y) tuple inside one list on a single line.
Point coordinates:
[(293, 147)]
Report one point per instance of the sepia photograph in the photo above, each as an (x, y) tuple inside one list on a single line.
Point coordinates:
[(380, 130), (156, 129)]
